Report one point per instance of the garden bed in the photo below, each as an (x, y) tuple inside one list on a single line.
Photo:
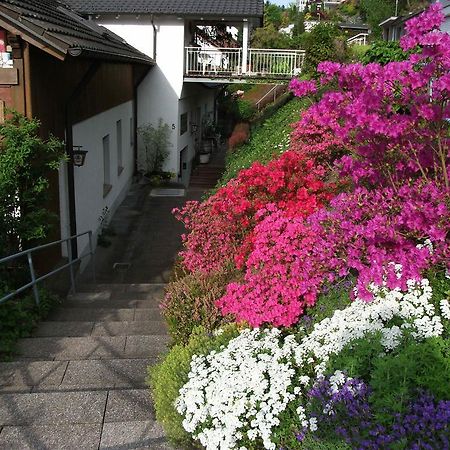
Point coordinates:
[(314, 307)]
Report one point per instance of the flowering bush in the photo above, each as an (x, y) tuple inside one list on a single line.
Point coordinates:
[(220, 226), (392, 117), (292, 258), (190, 302), (254, 392)]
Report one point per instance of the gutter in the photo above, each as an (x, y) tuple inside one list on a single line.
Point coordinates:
[(69, 151)]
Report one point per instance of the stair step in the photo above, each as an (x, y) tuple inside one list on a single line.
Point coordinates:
[(114, 303), (120, 287), (93, 347), (85, 329), (105, 314)]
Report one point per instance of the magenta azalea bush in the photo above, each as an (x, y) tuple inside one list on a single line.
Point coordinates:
[(382, 131)]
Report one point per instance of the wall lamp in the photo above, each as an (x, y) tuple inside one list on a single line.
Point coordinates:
[(79, 155)]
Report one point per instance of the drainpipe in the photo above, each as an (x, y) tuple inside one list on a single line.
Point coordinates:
[(69, 151), (155, 37)]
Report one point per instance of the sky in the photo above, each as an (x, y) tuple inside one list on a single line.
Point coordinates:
[(282, 2)]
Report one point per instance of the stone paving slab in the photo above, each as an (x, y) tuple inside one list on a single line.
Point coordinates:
[(109, 373), (129, 405), (23, 374), (146, 346), (95, 315), (133, 435), (73, 347), (52, 408), (46, 437), (64, 329), (143, 328), (119, 303), (90, 296), (146, 314), (152, 296)]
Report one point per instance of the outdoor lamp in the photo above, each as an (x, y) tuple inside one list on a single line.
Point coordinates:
[(79, 155), (194, 127)]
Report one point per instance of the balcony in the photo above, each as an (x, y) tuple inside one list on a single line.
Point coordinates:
[(240, 63)]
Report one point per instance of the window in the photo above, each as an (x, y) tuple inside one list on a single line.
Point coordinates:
[(119, 147), (106, 166), (183, 123)]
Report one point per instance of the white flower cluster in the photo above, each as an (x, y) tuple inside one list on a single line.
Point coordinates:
[(245, 385), (238, 393), (331, 335)]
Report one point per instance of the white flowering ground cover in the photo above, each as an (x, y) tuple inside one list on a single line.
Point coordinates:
[(234, 397)]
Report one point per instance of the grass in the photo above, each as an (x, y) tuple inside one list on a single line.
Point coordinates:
[(268, 140)]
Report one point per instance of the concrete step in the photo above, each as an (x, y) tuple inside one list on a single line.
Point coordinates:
[(116, 303), (73, 376), (118, 328), (120, 287), (92, 347), (105, 314)]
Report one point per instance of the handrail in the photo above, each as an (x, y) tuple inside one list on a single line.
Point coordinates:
[(35, 280), (360, 39), (273, 90)]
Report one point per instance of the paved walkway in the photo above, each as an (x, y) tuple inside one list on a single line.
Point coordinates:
[(79, 382)]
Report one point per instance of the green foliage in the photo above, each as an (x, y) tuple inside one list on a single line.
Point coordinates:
[(155, 151), (325, 42), (383, 52), (396, 377), (166, 378), (309, 443), (19, 316), (375, 11), (273, 15), (26, 162), (358, 52), (270, 37), (246, 109), (190, 302), (268, 140)]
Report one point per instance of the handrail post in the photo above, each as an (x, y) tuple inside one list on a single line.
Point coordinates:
[(33, 278), (91, 251), (72, 276)]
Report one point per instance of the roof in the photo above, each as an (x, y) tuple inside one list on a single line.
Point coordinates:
[(211, 8), (55, 28)]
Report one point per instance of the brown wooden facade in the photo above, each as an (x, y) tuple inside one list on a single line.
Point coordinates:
[(49, 88)]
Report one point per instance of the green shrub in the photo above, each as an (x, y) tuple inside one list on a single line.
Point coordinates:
[(19, 316), (26, 163), (190, 302), (413, 366), (166, 378), (383, 52), (270, 139), (246, 109), (325, 42)]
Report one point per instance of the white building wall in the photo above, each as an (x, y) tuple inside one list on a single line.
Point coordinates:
[(89, 179), (137, 32), (163, 93)]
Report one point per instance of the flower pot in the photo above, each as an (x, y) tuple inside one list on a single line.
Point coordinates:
[(204, 158)]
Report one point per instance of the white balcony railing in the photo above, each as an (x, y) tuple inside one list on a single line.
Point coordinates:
[(234, 62), (359, 39)]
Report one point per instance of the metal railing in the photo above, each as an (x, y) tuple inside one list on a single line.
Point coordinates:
[(272, 94), (213, 61), (268, 62), (35, 280), (229, 62), (359, 39)]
